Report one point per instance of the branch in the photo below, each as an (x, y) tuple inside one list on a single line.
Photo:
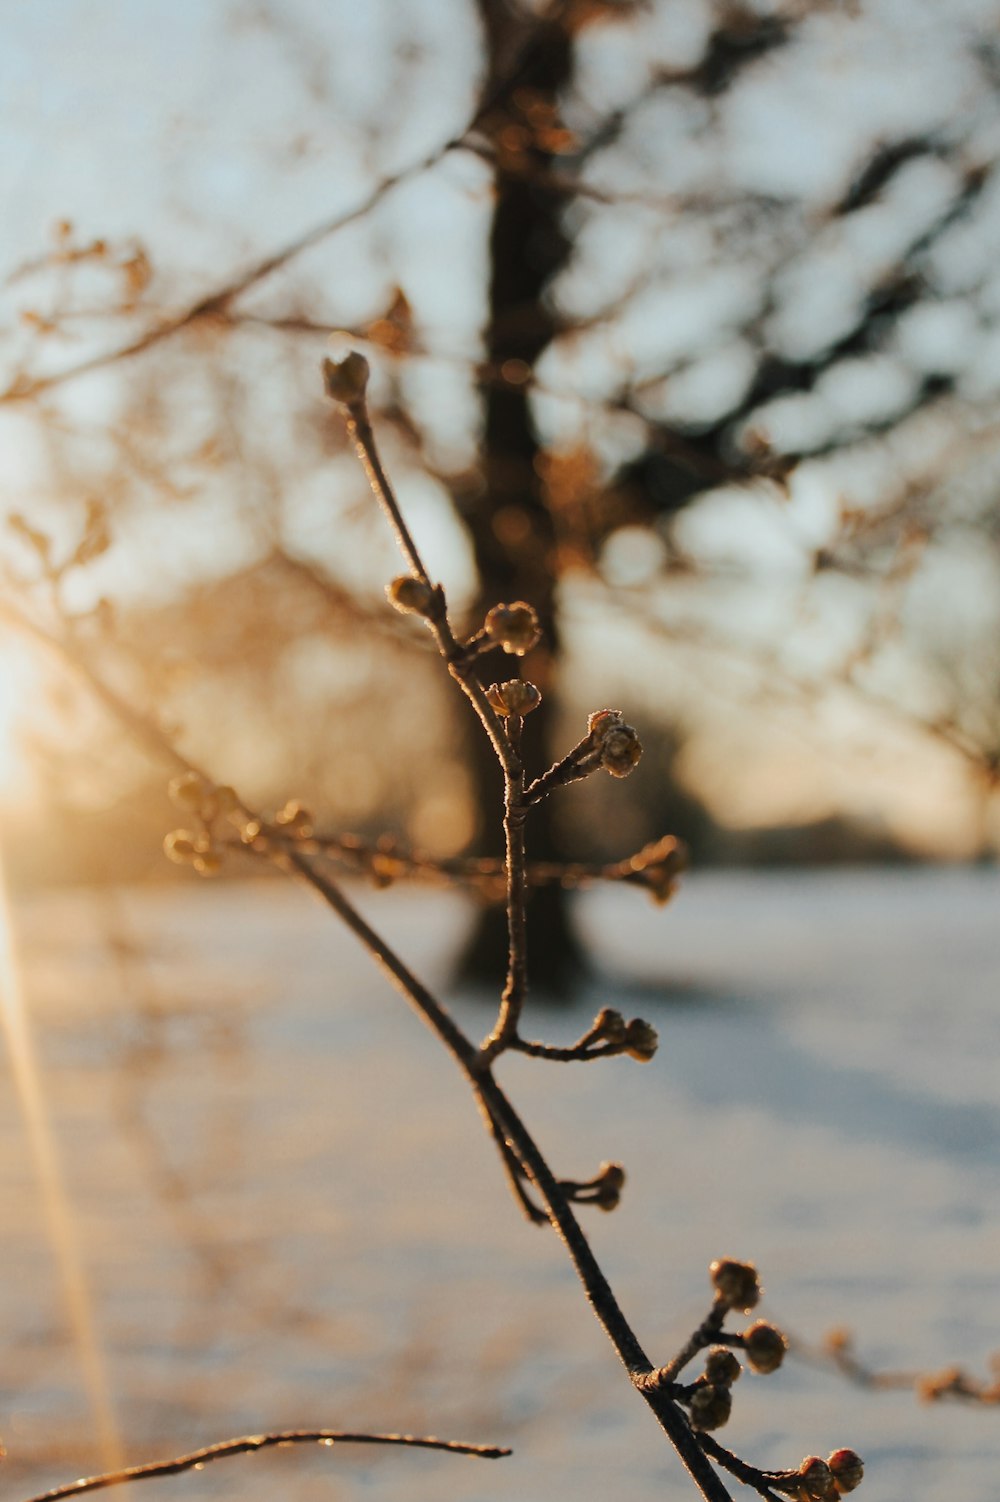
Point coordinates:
[(250, 1444)]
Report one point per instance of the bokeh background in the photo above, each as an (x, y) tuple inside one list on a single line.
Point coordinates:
[(683, 325)]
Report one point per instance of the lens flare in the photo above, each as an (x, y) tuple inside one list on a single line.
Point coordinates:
[(58, 1211)]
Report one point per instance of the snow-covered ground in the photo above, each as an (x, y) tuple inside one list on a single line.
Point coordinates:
[(289, 1214)]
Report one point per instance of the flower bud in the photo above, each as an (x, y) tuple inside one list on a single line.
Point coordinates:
[(514, 627), (621, 749), (346, 380), (609, 1185), (721, 1367), (847, 1469), (601, 721), (816, 1483), (710, 1406), (208, 863), (609, 1026), (411, 596), (641, 1040), (517, 697), (189, 792), (765, 1347), (736, 1283)]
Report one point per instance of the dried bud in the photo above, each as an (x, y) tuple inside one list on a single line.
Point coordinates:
[(710, 1406), (609, 1026), (601, 722), (346, 380), (513, 627), (609, 1184), (517, 697), (736, 1283), (189, 792), (621, 749), (721, 1367), (765, 1347), (816, 1480), (847, 1469), (641, 1040), (179, 846), (411, 596)]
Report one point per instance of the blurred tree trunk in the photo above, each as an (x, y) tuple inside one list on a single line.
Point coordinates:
[(510, 525)]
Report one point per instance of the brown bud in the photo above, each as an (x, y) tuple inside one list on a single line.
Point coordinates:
[(514, 627), (609, 1026), (179, 846), (601, 722), (641, 1040), (188, 791), (410, 595), (721, 1367), (517, 697), (208, 863), (816, 1480), (621, 749), (847, 1469), (736, 1283), (609, 1184), (765, 1347), (346, 380), (710, 1406)]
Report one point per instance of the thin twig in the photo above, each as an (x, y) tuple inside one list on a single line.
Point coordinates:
[(250, 1444)]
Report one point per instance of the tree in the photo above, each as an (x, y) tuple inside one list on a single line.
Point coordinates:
[(675, 298)]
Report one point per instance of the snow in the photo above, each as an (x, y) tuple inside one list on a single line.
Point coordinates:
[(290, 1214)]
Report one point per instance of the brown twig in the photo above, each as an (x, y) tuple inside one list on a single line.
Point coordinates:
[(251, 1444)]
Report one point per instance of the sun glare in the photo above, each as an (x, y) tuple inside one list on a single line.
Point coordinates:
[(59, 1218)]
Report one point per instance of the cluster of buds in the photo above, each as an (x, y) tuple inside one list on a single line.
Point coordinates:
[(637, 1038), (514, 627), (513, 699), (818, 1480), (617, 743), (710, 1401), (205, 802)]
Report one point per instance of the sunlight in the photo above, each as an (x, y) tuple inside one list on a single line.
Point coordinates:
[(58, 1212)]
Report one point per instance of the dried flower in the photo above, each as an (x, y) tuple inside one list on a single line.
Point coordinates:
[(514, 627), (736, 1283), (346, 380), (710, 1406), (517, 697), (721, 1367), (847, 1469), (816, 1483), (412, 596), (765, 1347), (641, 1040)]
